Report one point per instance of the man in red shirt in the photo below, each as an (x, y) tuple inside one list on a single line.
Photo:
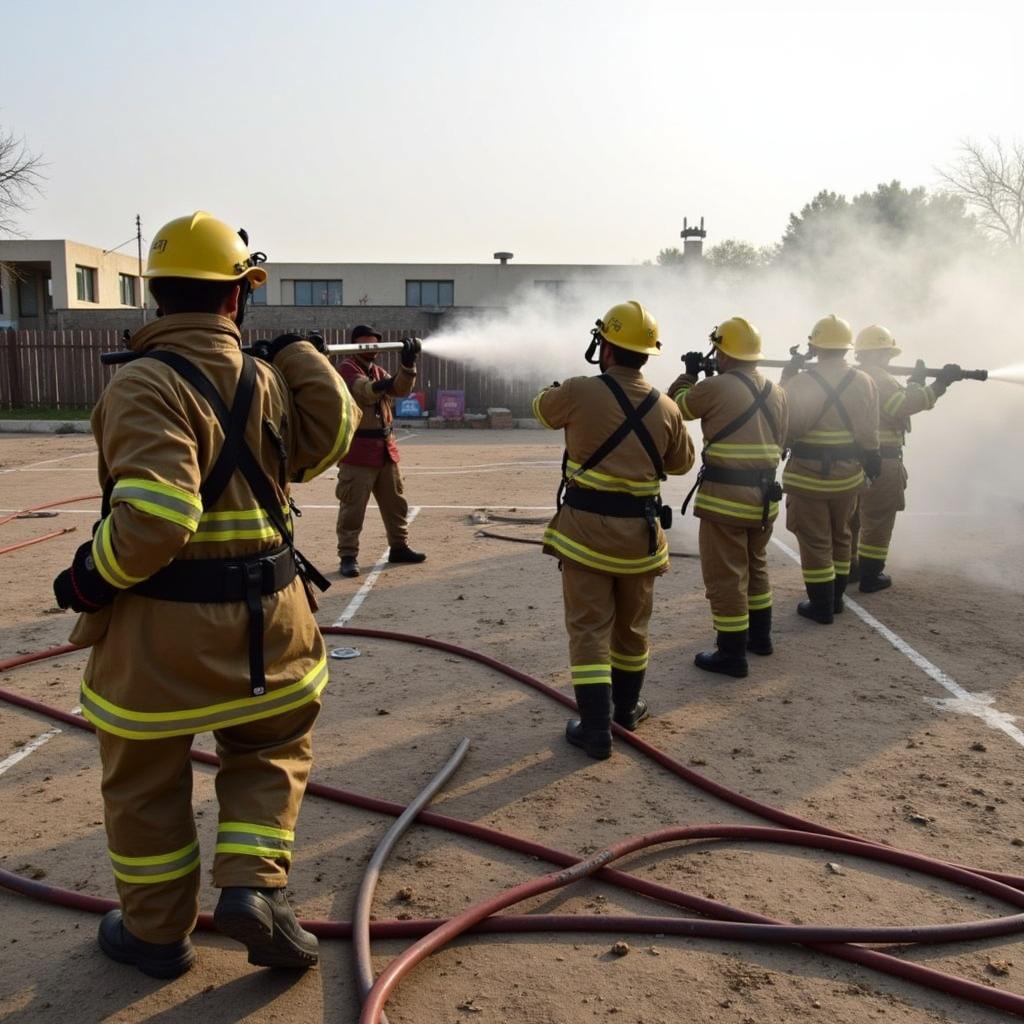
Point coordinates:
[(371, 465)]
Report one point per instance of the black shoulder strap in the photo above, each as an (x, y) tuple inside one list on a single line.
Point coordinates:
[(247, 463), (832, 397), (758, 405), (635, 420)]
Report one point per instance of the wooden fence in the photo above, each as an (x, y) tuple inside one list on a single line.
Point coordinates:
[(62, 370)]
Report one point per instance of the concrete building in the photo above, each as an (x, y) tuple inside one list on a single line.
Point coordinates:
[(42, 281)]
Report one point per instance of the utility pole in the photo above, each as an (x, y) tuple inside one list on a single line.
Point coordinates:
[(138, 241)]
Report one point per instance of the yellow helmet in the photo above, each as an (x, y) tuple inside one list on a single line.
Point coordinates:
[(738, 338), (876, 339), (201, 247), (629, 325), (831, 332)]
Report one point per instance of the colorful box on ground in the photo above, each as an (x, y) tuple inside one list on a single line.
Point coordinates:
[(408, 408), (451, 405)]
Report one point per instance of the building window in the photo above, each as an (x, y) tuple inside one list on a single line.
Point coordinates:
[(430, 293), (317, 293), (85, 279), (28, 296), (259, 295), (126, 282)]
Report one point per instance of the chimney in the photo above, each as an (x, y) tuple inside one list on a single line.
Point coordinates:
[(693, 240), (504, 257)]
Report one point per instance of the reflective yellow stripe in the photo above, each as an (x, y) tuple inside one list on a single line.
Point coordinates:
[(680, 400), (890, 436), (828, 437), (813, 483), (869, 551), (159, 868), (894, 401), (574, 551), (758, 602), (342, 442), (731, 623), (729, 450), (607, 482), (145, 725), (842, 568), (929, 396), (106, 561), (244, 524), (590, 675), (737, 509), (158, 499), (254, 840), (537, 414), (820, 575), (630, 662)]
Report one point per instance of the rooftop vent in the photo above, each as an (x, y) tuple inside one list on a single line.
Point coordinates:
[(503, 257)]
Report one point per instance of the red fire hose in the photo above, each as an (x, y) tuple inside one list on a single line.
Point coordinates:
[(36, 540), (48, 504), (732, 924)]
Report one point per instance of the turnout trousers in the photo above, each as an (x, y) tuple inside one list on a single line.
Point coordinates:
[(606, 618), (356, 484), (822, 528), (875, 516), (147, 805), (734, 564)]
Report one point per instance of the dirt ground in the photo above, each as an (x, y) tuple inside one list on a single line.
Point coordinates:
[(838, 726)]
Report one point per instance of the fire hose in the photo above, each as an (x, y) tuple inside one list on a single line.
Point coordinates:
[(26, 513), (732, 923)]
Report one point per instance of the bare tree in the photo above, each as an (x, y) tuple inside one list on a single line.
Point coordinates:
[(990, 180), (21, 177)]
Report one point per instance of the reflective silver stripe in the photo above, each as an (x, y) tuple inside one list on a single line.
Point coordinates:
[(252, 839), (123, 724)]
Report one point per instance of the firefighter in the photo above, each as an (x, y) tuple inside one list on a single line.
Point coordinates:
[(833, 443), (198, 608), (743, 419), (875, 517), (371, 465), (622, 438)]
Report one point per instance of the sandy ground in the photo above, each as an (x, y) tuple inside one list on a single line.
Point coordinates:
[(838, 726)]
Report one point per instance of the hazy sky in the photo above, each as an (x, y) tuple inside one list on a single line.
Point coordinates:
[(445, 130)]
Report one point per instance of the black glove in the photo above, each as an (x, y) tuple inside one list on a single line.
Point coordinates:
[(411, 348), (872, 463), (383, 385), (918, 376), (694, 362), (268, 350), (949, 374), (81, 587)]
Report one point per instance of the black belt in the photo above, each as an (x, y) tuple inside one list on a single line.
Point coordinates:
[(619, 506), (826, 452), (377, 435), (222, 580), (892, 451), (762, 478)]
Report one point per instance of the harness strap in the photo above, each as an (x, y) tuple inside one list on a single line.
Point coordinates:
[(758, 406), (827, 454)]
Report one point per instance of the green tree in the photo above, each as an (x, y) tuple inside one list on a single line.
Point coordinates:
[(670, 257), (736, 255)]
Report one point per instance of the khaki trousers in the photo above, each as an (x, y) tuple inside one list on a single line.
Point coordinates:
[(356, 484), (606, 618), (734, 563), (822, 528), (147, 802), (875, 516)]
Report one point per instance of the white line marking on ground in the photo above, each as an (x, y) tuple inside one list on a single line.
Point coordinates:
[(334, 508), (363, 592), (46, 462), (488, 465), (29, 748), (966, 703)]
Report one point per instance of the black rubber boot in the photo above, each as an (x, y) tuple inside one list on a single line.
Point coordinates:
[(854, 576), (837, 594), (592, 731), (729, 658), (157, 959), (349, 565), (760, 640), (630, 708), (871, 576), (264, 922), (819, 607), (405, 554)]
